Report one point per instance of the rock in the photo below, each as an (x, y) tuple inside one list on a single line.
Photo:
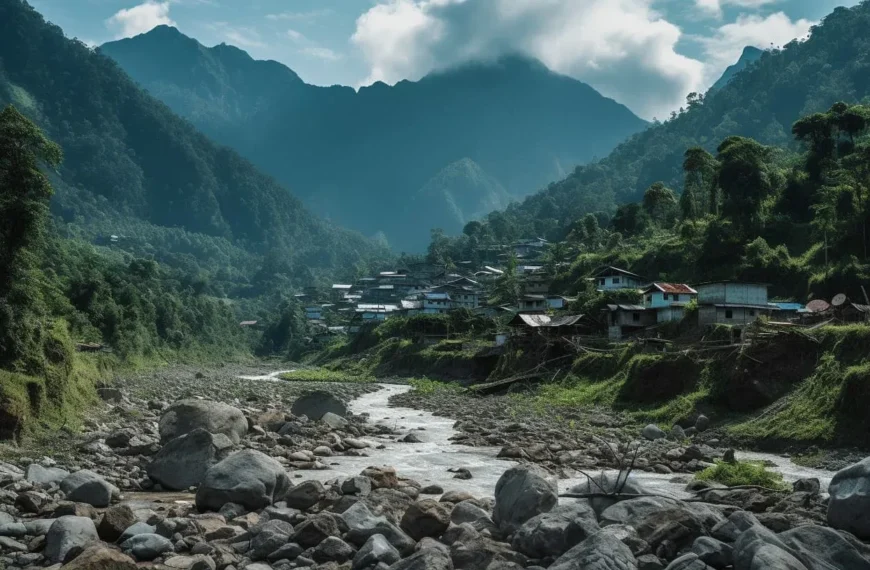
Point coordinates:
[(87, 487), (120, 438), (520, 494), (272, 536), (356, 486), (822, 547), (677, 433), (760, 549), (810, 485), (649, 562), (183, 462), (468, 512), (556, 532), (362, 525), (425, 518), (392, 503), (689, 561), (289, 551), (115, 521), (333, 549), (376, 550), (15, 529), (305, 495), (456, 496), (729, 456), (334, 420), (608, 483), (136, 529), (66, 534), (11, 545), (702, 423), (185, 416), (107, 394), (463, 474), (322, 451), (249, 478), (189, 563), (849, 505), (382, 477), (713, 552), (600, 551), (432, 490), (99, 557), (147, 547), (426, 559), (315, 530), (411, 438), (317, 403), (39, 475), (653, 432)]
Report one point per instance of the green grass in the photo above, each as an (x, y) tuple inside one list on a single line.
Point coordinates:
[(743, 473), (427, 386), (325, 375)]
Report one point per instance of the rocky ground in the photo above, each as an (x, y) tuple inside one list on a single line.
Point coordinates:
[(194, 469)]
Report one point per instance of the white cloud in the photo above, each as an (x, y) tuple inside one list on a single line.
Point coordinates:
[(725, 46), (239, 36), (323, 53), (297, 37), (310, 15), (714, 7), (139, 19), (621, 47)]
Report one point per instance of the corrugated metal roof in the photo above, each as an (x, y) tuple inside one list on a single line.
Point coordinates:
[(787, 306), (340, 286), (412, 304), (612, 269), (626, 307), (676, 288), (538, 321), (436, 296)]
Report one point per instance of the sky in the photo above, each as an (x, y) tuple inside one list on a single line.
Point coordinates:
[(646, 54)]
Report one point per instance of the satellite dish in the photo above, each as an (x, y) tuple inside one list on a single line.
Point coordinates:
[(818, 306), (838, 300)]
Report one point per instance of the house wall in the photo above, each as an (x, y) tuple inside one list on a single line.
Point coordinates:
[(709, 315), (657, 299), (668, 314), (606, 283), (732, 293)]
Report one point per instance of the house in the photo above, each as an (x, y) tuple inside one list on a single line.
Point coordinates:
[(628, 320), (340, 291), (787, 310), (533, 304), (524, 325), (668, 300), (536, 282), (731, 302), (461, 296), (366, 314), (530, 247), (852, 312), (611, 278), (557, 302), (411, 307), (436, 303), (314, 313)]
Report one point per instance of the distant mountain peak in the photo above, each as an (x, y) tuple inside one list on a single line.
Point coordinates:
[(750, 55)]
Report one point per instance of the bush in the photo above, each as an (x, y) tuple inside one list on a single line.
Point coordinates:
[(743, 473)]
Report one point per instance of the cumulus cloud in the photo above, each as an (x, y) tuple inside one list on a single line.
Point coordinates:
[(139, 19), (296, 36), (623, 48), (323, 53), (296, 16), (714, 7), (725, 46)]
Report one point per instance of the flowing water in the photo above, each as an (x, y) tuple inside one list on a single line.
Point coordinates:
[(429, 461)]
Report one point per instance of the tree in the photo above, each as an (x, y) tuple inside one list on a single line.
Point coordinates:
[(592, 229), (689, 204), (24, 192), (507, 286), (439, 248), (630, 219), (660, 203), (746, 180), (700, 167)]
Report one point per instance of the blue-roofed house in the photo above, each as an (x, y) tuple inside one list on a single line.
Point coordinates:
[(787, 310)]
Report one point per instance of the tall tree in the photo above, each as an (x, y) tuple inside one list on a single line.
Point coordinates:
[(660, 203), (700, 168), (746, 179)]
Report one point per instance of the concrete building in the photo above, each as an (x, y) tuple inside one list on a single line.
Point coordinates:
[(668, 300), (628, 320), (612, 278), (731, 303)]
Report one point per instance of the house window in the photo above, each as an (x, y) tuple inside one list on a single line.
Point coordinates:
[(616, 280), (649, 298), (601, 281), (665, 296), (751, 312), (635, 317), (729, 314)]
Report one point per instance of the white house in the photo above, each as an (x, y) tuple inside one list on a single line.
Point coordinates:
[(612, 278), (558, 302), (533, 304), (668, 300), (731, 303), (436, 303)]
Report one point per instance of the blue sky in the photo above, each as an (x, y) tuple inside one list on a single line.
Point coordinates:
[(647, 54)]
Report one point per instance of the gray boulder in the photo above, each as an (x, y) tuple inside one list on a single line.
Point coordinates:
[(556, 532), (426, 518), (249, 478), (468, 512), (356, 486), (689, 561), (702, 423), (820, 547), (333, 549), (362, 525), (334, 420), (183, 462), (66, 534), (522, 493), (317, 403), (760, 549), (713, 552), (147, 547), (305, 495), (136, 529), (376, 550), (39, 475), (653, 432), (849, 506), (315, 530), (272, 536), (184, 416), (608, 483), (87, 487), (730, 529), (425, 559), (600, 551)]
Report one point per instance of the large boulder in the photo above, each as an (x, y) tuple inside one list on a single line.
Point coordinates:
[(556, 532), (759, 549), (426, 518), (363, 524), (375, 550), (653, 432), (184, 416), (425, 559), (115, 521), (658, 519), (305, 495), (817, 546), (183, 462), (849, 507), (66, 534), (601, 551), (316, 404), (248, 478), (521, 493), (608, 483), (39, 475), (147, 547), (98, 557), (87, 487)]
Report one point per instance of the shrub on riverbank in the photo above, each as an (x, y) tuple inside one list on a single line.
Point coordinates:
[(743, 473), (325, 375)]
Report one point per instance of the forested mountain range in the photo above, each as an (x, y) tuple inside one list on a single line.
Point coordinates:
[(135, 169), (749, 56), (761, 102), (363, 157)]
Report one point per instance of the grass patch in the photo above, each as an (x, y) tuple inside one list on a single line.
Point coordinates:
[(324, 375), (743, 473), (427, 386)]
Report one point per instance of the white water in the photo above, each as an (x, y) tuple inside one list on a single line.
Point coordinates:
[(428, 462)]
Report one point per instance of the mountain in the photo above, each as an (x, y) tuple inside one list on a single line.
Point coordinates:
[(360, 156), (131, 164), (749, 56), (762, 103)]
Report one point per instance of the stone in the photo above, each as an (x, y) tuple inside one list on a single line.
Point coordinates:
[(147, 547), (333, 549), (305, 495), (120, 438), (98, 557), (14, 529), (702, 423), (600, 551), (185, 416), (522, 493), (760, 549), (653, 432), (363, 524), (649, 562), (713, 552), (334, 420), (608, 483), (289, 551), (556, 532), (136, 529), (323, 451), (108, 394), (315, 530), (249, 478), (272, 536), (11, 545), (849, 505), (382, 477), (200, 562), (426, 559), (391, 503), (822, 547), (317, 403), (183, 461), (66, 534), (356, 486), (39, 475), (809, 485), (115, 521), (677, 433), (432, 490), (87, 487), (689, 561), (376, 550), (468, 512), (425, 518)]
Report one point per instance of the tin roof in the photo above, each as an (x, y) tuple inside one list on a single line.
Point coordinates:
[(609, 270), (676, 288), (537, 321)]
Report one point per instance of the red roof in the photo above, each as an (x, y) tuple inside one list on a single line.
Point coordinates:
[(679, 288)]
